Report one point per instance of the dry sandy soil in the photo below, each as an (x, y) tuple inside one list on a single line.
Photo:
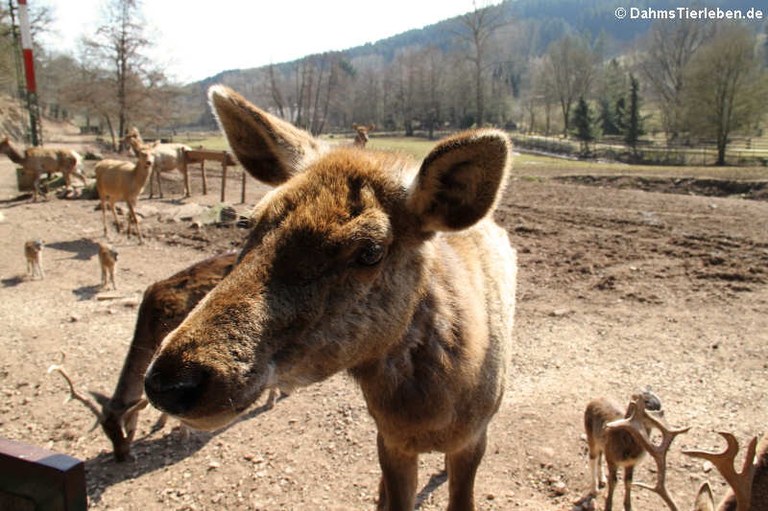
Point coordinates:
[(618, 288)]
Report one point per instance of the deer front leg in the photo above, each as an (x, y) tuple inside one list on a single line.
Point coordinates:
[(133, 218), (114, 215), (462, 469), (397, 490)]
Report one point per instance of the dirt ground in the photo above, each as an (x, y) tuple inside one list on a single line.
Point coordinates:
[(619, 288)]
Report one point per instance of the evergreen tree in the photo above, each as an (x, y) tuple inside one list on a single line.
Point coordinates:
[(634, 122), (620, 115), (584, 126), (608, 119)]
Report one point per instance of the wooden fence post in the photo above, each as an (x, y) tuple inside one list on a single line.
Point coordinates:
[(223, 175)]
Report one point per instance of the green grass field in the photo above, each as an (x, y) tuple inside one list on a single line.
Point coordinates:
[(544, 166)]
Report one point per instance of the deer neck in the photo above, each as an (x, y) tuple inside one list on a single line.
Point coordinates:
[(12, 153)]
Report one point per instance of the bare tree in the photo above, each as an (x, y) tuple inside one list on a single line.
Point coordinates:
[(570, 65), (119, 45), (668, 49), (479, 25), (726, 87)]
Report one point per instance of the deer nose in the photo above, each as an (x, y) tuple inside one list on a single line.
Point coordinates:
[(175, 391)]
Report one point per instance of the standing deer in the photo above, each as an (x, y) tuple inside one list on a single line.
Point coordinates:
[(107, 261), (41, 160), (619, 447), (361, 134), (167, 158), (121, 180), (164, 305), (365, 262), (749, 488), (33, 253)]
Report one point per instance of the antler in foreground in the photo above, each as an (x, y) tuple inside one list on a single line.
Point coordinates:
[(740, 482), (74, 394), (633, 424)]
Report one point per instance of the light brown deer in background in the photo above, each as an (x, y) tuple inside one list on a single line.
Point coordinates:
[(620, 449), (390, 269), (33, 253), (361, 134), (43, 160), (118, 180), (749, 488), (167, 158), (164, 305), (107, 262)]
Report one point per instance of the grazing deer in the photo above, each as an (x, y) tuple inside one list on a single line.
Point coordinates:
[(361, 134), (165, 304), (618, 446), (167, 158), (40, 160), (121, 180), (107, 261), (33, 253), (365, 262), (749, 488)]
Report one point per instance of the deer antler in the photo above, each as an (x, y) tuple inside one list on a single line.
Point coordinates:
[(74, 394), (634, 426), (741, 482)]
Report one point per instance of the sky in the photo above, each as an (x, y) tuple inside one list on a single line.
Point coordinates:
[(197, 39)]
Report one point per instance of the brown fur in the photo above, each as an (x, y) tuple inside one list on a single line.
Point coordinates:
[(107, 261), (121, 180), (167, 158), (361, 262), (165, 304), (33, 253), (618, 446), (40, 160)]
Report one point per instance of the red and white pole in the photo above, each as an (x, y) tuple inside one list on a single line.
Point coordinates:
[(26, 47), (36, 131)]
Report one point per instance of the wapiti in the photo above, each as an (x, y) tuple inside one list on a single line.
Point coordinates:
[(361, 134), (164, 305), (365, 262), (107, 262), (749, 488), (33, 253), (41, 160), (122, 180), (167, 158), (619, 448)]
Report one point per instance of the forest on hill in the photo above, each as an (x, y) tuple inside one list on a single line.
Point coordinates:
[(550, 67)]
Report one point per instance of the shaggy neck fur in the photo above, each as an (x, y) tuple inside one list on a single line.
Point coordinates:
[(12, 153)]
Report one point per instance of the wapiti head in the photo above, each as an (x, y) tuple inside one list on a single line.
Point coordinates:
[(361, 133), (333, 268), (145, 158)]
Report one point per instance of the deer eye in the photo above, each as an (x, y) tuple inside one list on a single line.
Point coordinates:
[(370, 255)]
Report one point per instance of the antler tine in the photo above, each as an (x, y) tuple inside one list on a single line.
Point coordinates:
[(724, 461), (74, 394), (634, 426)]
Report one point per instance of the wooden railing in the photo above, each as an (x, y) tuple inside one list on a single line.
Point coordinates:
[(200, 156)]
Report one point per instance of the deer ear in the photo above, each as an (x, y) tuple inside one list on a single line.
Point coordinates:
[(460, 180), (269, 148), (704, 499)]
